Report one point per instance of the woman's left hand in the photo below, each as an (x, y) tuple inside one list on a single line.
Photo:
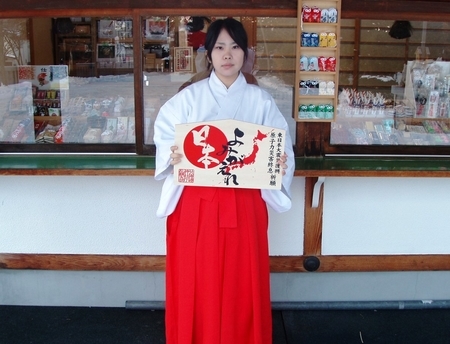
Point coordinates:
[(175, 158), (282, 163)]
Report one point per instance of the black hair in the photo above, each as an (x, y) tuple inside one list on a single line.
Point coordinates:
[(401, 29), (234, 28), (197, 23)]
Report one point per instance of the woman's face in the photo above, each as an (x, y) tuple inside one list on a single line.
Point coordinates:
[(227, 58)]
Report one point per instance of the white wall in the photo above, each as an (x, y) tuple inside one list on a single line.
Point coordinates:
[(106, 215), (115, 215), (386, 216), (87, 215)]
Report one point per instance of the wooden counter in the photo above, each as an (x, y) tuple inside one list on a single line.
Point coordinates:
[(311, 168)]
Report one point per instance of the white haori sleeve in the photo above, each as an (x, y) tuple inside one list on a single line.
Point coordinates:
[(164, 133), (209, 100), (280, 200)]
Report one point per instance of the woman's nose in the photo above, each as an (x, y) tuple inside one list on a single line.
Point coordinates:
[(227, 54)]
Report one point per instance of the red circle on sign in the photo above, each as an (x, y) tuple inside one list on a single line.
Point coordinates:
[(205, 146)]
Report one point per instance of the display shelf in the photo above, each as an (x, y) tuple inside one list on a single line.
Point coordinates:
[(75, 48), (317, 60), (315, 96), (81, 48)]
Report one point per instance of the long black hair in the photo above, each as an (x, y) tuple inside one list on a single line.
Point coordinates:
[(197, 23), (234, 28)]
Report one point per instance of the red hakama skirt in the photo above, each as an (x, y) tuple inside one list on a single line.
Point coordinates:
[(217, 268)]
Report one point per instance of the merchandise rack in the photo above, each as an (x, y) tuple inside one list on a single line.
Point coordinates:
[(306, 97)]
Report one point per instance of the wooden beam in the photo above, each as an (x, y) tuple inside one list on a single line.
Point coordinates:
[(396, 10), (436, 10), (94, 262), (112, 11), (439, 262), (375, 263), (312, 240), (138, 84), (343, 263)]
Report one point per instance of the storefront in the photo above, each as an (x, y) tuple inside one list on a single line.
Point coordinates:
[(82, 84)]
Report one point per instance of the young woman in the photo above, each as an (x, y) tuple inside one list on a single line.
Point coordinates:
[(217, 271)]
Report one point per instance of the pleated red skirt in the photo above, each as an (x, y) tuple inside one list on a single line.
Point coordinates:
[(217, 270)]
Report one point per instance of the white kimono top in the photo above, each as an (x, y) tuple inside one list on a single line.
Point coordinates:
[(209, 100)]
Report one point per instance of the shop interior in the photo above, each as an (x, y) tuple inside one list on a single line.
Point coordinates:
[(73, 80)]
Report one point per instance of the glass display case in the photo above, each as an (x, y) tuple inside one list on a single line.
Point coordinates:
[(401, 96), (74, 45), (84, 99), (271, 60)]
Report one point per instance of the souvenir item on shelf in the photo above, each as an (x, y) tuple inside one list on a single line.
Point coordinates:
[(318, 29)]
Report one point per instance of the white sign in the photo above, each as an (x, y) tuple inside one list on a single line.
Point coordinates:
[(229, 153)]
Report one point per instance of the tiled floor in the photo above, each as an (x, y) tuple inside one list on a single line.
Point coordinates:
[(67, 325)]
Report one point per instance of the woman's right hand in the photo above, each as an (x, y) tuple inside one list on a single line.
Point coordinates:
[(175, 158)]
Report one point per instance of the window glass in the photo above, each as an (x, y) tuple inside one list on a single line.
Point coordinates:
[(70, 81), (395, 83), (80, 90), (173, 56), (275, 62)]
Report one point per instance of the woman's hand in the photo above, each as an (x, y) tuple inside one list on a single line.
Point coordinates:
[(282, 163), (175, 158)]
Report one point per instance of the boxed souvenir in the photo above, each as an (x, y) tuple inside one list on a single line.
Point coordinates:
[(54, 111), (83, 29)]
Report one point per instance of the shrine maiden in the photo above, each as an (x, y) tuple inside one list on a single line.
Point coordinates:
[(217, 270)]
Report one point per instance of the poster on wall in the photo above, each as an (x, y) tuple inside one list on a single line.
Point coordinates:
[(156, 29), (45, 77), (106, 29), (106, 52), (112, 29), (182, 59), (229, 153)]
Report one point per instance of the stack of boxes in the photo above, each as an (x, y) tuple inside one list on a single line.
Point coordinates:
[(149, 61)]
